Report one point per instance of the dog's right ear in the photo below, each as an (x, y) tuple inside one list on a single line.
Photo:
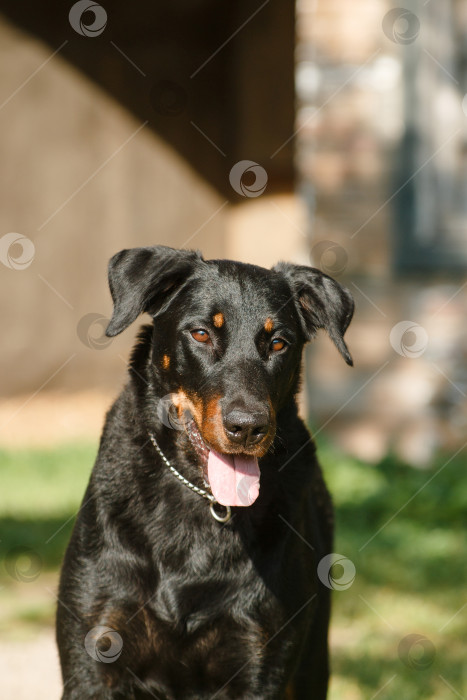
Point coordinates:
[(321, 302), (146, 279)]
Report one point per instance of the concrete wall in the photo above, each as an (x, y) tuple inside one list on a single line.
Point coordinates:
[(82, 178)]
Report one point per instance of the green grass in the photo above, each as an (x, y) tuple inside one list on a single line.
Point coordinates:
[(403, 529), (41, 490), (44, 482)]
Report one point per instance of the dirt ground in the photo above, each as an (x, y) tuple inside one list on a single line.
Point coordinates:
[(47, 418), (30, 669)]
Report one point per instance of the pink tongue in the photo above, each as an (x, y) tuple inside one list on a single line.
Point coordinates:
[(234, 479)]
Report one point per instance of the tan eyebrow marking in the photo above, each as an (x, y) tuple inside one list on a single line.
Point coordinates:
[(166, 362), (218, 320), (268, 325)]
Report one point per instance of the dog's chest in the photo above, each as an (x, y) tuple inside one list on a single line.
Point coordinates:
[(204, 659), (201, 630)]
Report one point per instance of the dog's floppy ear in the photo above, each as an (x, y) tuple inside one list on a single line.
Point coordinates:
[(322, 303), (145, 279)]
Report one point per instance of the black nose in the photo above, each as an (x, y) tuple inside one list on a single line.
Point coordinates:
[(246, 428)]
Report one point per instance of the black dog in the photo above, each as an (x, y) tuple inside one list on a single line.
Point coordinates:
[(192, 568)]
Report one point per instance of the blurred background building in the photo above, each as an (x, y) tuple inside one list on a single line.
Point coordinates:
[(381, 152), (121, 126)]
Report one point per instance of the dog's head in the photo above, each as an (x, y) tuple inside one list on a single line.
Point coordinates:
[(227, 347)]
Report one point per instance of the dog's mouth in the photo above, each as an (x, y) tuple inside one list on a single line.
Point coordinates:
[(234, 479)]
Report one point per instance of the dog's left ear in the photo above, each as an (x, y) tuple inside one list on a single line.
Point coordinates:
[(146, 279), (322, 303)]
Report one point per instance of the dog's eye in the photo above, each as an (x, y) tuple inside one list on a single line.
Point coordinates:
[(200, 335), (278, 344)]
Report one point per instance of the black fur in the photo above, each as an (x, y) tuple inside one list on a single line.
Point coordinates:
[(197, 608)]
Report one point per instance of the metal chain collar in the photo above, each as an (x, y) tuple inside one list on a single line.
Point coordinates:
[(196, 489)]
